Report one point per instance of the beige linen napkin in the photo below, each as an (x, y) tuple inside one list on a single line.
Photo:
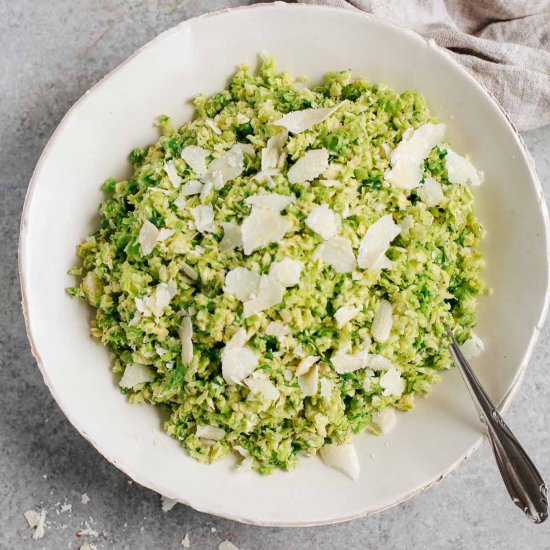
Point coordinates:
[(506, 43)]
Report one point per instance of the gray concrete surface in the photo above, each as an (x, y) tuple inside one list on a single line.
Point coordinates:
[(51, 51)]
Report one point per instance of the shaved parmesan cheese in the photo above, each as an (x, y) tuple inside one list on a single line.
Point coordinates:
[(306, 364), (135, 374), (37, 522), (238, 340), (147, 237), (273, 156), (271, 201), (408, 156), (262, 227), (277, 329), (287, 272), (172, 173), (375, 243), (461, 170), (260, 384), (430, 192), (164, 234), (238, 363), (204, 218), (232, 237), (309, 381), (310, 166), (337, 252), (473, 347), (226, 168), (270, 293), (195, 157), (210, 432), (344, 362), (154, 304), (299, 121), (186, 336), (192, 187), (327, 386), (167, 503), (214, 127), (242, 282), (343, 458), (382, 322), (246, 148), (383, 421), (324, 222), (392, 383), (379, 362), (345, 314), (189, 271)]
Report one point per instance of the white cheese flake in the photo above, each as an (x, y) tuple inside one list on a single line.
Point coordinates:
[(392, 383), (262, 227), (270, 293), (242, 283), (186, 339), (147, 238), (379, 362), (213, 126), (324, 222), (259, 384), (167, 503), (191, 187), (460, 170), (408, 156), (210, 432), (238, 362), (383, 421), (204, 218), (375, 243), (37, 521), (299, 121), (343, 458), (270, 201), (195, 157), (345, 314), (309, 381), (135, 374), (172, 173), (273, 155), (226, 168), (232, 237), (154, 304), (338, 253), (189, 271), (382, 322), (430, 192), (277, 329), (310, 166), (306, 364), (473, 347), (287, 272), (345, 362)]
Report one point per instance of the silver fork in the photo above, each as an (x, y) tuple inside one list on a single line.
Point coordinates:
[(523, 481)]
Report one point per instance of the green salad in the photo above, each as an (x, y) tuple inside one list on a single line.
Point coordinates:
[(277, 272)]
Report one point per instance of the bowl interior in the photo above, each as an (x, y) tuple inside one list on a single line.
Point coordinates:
[(92, 143)]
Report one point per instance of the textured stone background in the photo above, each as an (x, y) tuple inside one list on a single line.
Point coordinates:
[(51, 51)]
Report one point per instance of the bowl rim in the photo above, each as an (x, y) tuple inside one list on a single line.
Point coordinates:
[(502, 406)]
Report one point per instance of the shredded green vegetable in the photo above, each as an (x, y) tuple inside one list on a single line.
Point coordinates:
[(433, 276)]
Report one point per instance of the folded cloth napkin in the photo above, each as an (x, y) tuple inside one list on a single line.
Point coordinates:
[(506, 43)]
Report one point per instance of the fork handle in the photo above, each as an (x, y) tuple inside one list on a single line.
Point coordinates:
[(522, 480)]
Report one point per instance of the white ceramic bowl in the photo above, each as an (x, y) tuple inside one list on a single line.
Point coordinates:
[(91, 144)]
